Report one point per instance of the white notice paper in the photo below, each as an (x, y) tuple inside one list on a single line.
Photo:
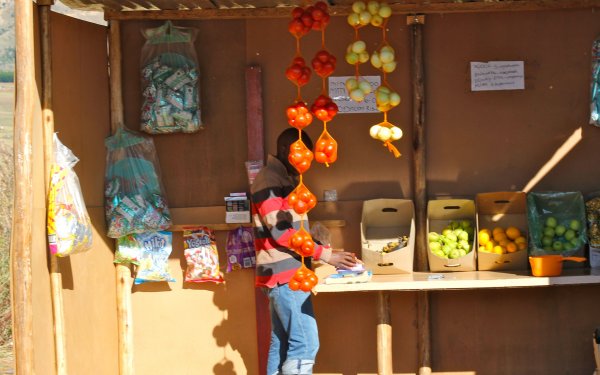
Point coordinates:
[(497, 75), (339, 94)]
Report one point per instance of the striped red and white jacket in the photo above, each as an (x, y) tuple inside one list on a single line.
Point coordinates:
[(274, 223)]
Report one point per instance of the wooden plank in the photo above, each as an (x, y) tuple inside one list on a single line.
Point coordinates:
[(22, 224), (416, 23), (116, 94), (384, 334), (254, 113), (464, 280), (123, 272), (344, 10), (60, 349)]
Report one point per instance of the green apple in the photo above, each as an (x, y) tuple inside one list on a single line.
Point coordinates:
[(551, 222), (385, 11), (454, 254), (464, 224), (373, 7), (376, 20), (352, 58), (557, 246), (569, 234), (549, 232), (463, 252), (446, 231), (559, 230), (365, 17), (353, 19), (358, 6), (463, 236), (359, 46), (435, 246), (575, 225), (451, 237), (375, 60), (464, 245), (575, 242), (546, 241), (439, 253), (470, 231), (447, 249)]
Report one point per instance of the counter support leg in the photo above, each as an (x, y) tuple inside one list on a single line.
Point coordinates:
[(384, 334)]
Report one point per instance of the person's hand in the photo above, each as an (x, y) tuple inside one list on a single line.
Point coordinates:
[(343, 259)]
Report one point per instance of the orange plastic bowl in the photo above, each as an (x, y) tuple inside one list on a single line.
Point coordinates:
[(549, 265)]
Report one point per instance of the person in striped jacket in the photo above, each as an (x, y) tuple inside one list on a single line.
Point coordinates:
[(294, 335)]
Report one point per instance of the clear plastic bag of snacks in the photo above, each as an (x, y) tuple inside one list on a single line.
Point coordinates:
[(170, 81), (134, 199), (69, 225)]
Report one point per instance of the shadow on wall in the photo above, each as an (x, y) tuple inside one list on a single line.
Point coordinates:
[(238, 327)]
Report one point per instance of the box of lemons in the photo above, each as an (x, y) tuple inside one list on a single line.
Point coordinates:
[(502, 242), (387, 231), (451, 235), (557, 224)]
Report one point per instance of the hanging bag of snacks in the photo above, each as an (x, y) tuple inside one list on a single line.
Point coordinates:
[(69, 225), (170, 81), (134, 199)]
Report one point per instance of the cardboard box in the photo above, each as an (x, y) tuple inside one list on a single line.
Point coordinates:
[(237, 208), (439, 215), (502, 209), (384, 221)]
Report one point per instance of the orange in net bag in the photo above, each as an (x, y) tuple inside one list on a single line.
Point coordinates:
[(300, 157), (301, 199), (326, 148)]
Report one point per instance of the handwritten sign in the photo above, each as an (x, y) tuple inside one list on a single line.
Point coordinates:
[(497, 75), (339, 94)]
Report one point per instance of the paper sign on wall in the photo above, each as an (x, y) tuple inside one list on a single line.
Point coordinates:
[(339, 94), (497, 75)]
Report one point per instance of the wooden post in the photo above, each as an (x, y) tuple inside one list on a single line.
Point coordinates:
[(416, 23), (22, 224), (60, 351), (256, 151), (384, 334), (123, 272)]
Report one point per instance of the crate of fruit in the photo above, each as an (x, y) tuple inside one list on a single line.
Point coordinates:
[(502, 231), (451, 227), (556, 223)]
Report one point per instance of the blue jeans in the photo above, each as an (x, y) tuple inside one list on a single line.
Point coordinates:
[(294, 335)]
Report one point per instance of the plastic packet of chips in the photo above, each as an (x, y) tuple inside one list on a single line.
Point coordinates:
[(128, 250), (155, 248), (201, 255), (240, 249)]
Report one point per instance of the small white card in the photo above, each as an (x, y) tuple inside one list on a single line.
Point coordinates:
[(339, 94), (497, 75)]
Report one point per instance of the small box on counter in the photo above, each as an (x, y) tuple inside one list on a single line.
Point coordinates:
[(387, 232), (237, 208), (451, 226), (502, 224)]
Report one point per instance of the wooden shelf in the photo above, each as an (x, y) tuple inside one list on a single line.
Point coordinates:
[(227, 226), (464, 280)]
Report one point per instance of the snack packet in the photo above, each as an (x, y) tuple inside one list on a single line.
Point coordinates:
[(240, 249), (201, 255), (154, 256)]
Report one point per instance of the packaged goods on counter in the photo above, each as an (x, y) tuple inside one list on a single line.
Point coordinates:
[(69, 225), (155, 248), (201, 256), (240, 249), (170, 81), (134, 199)]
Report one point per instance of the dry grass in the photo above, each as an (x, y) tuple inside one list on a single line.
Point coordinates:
[(6, 189)]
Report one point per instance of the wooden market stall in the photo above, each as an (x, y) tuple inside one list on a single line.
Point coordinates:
[(81, 315)]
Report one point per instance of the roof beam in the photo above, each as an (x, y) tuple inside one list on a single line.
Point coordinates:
[(343, 10)]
